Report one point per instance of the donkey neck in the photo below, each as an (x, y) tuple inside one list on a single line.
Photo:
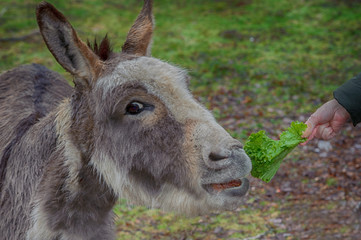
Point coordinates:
[(71, 199)]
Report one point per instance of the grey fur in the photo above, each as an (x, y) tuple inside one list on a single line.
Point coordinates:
[(67, 154), (32, 151)]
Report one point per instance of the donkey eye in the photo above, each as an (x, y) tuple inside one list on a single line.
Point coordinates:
[(134, 108)]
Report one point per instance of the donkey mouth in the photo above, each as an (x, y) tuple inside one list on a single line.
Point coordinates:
[(233, 188)]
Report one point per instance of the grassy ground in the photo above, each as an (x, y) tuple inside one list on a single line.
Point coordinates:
[(288, 49), (256, 64)]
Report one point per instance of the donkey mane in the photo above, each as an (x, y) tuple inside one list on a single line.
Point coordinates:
[(103, 50)]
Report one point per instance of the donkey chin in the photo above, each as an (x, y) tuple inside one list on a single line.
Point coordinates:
[(220, 188)]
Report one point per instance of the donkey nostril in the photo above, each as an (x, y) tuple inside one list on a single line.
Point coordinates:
[(217, 157)]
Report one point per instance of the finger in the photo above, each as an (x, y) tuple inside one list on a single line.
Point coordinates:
[(310, 127), (313, 133), (338, 123), (325, 132), (312, 122), (310, 137), (328, 133), (320, 131)]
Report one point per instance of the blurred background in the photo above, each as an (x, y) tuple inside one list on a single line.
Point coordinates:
[(257, 65)]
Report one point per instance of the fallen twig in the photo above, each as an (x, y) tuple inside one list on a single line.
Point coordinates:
[(20, 38)]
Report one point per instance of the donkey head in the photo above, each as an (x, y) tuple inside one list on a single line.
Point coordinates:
[(136, 123)]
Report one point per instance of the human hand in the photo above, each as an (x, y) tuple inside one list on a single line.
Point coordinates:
[(326, 122)]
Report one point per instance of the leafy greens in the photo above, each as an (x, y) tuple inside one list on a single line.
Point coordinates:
[(267, 154)]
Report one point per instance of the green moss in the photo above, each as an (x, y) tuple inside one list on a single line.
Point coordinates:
[(149, 224)]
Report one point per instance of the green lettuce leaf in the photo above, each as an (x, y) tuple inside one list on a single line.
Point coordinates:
[(267, 154)]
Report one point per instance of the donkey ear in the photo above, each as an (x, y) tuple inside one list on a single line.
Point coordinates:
[(139, 37), (63, 42)]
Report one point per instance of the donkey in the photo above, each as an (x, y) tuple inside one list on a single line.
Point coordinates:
[(129, 128)]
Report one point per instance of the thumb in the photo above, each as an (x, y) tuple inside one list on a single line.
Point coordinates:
[(311, 123)]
